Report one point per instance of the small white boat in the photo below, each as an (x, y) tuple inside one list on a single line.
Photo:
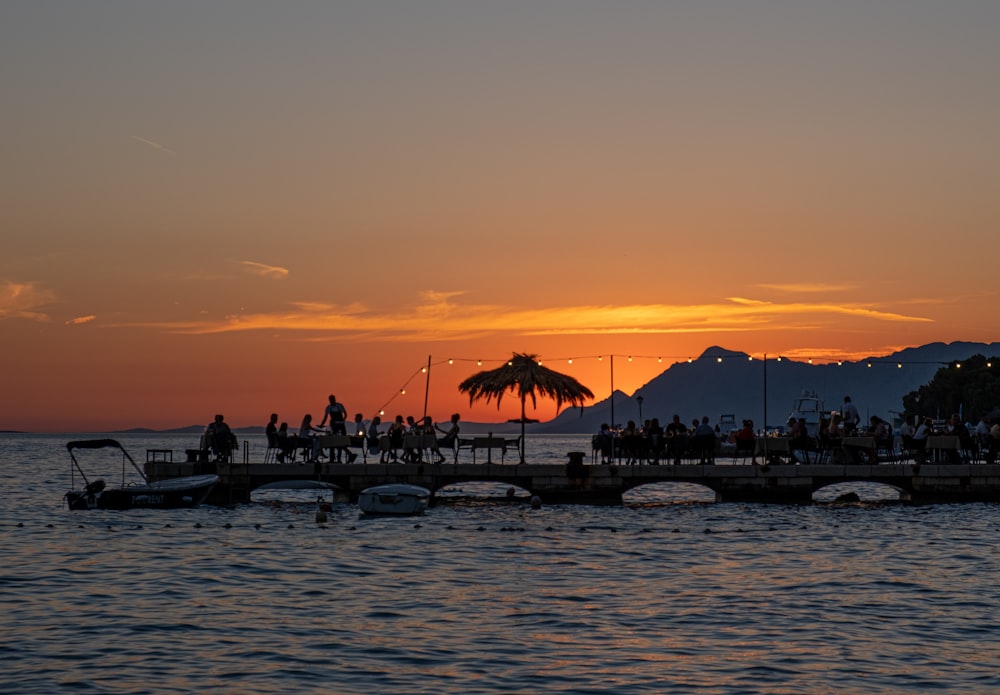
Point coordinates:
[(395, 498)]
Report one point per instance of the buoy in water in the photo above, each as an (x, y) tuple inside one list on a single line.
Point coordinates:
[(536, 502)]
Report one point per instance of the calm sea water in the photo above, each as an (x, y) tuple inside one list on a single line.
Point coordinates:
[(663, 595)]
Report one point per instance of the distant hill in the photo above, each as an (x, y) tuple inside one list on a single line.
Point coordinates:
[(190, 429), (736, 385)]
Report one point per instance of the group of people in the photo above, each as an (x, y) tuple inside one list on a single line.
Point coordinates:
[(361, 434), (653, 442), (983, 439), (395, 438)]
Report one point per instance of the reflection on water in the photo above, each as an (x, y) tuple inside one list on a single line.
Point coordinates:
[(669, 593)]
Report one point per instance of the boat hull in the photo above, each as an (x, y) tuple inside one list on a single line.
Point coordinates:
[(176, 493), (394, 500)]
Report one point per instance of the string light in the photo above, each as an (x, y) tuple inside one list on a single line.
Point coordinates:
[(659, 359)]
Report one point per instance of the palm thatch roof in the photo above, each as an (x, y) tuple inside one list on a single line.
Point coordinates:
[(525, 377)]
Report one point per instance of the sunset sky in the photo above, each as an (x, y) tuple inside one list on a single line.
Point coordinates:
[(244, 206)]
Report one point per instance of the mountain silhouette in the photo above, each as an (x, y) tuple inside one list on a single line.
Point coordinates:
[(724, 381)]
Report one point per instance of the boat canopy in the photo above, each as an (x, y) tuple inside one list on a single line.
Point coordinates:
[(94, 444)]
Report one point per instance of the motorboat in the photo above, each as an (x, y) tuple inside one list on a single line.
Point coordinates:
[(174, 493), (399, 499), (810, 407)]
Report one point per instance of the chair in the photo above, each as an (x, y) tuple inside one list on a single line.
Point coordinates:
[(745, 448), (915, 449), (416, 444), (489, 443), (335, 442), (271, 452), (885, 449), (825, 448)]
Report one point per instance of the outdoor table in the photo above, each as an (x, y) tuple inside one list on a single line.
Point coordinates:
[(941, 444), (776, 447), (853, 445)]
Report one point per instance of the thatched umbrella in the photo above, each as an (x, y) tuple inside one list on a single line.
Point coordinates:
[(524, 376)]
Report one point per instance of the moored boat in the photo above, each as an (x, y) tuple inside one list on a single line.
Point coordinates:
[(809, 406), (189, 491), (399, 499)]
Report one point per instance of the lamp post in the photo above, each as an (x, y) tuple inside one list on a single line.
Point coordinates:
[(638, 400)]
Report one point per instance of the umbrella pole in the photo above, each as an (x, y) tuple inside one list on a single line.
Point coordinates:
[(522, 428), (427, 384)]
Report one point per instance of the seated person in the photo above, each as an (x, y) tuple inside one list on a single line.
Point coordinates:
[(307, 439), (918, 442), (450, 435), (372, 434), (220, 439), (271, 431), (602, 442), (286, 445), (704, 438), (993, 446), (957, 428), (800, 440), (746, 440)]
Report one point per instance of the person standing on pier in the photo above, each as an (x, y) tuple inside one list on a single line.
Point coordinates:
[(851, 418), (337, 414)]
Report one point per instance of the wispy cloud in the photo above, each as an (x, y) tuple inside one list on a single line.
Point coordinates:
[(806, 287), (23, 300), (440, 316), (80, 319), (273, 272), (154, 145)]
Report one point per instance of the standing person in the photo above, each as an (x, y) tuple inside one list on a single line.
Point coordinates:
[(337, 414), (851, 418)]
